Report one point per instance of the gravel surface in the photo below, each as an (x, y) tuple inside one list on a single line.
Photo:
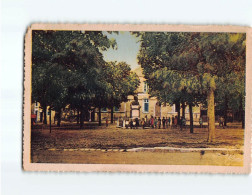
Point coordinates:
[(111, 145), (112, 137)]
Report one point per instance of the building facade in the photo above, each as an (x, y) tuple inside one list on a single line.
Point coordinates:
[(37, 113), (148, 106)]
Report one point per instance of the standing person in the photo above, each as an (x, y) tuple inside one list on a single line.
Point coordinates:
[(159, 122), (175, 121), (169, 121), (200, 122), (163, 122), (137, 123), (123, 122), (155, 122), (145, 120), (142, 123), (107, 122), (221, 122), (166, 122), (134, 123), (149, 122), (152, 122), (119, 122), (127, 123), (183, 123), (131, 124)]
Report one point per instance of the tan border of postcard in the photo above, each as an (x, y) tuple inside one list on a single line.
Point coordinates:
[(28, 166)]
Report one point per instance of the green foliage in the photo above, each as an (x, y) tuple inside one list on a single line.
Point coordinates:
[(181, 65), (119, 82), (68, 69), (231, 91), (66, 65)]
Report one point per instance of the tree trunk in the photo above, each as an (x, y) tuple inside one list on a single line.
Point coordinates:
[(242, 114), (225, 111), (112, 115), (50, 120), (81, 118), (41, 117), (177, 105), (44, 111), (78, 116), (183, 109), (99, 116), (243, 119), (211, 115), (59, 118), (191, 118)]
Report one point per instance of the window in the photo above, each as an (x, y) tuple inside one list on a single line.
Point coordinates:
[(116, 109), (104, 109), (146, 105), (145, 87)]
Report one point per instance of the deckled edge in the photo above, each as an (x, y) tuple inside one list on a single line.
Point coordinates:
[(28, 166), (27, 99)]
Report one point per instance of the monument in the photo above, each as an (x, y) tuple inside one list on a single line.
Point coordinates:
[(135, 108)]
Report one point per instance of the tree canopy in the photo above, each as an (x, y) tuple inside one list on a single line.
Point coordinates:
[(68, 68), (179, 63)]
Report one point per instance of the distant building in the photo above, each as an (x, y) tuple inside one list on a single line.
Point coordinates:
[(37, 112), (149, 106)]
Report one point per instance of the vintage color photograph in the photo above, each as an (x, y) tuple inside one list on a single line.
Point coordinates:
[(137, 97)]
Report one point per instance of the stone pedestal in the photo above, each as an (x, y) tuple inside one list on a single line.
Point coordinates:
[(135, 111)]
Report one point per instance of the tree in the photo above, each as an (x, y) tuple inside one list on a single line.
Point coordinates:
[(119, 82), (176, 88), (224, 54), (230, 94), (66, 67), (44, 72), (173, 62), (165, 70), (84, 59)]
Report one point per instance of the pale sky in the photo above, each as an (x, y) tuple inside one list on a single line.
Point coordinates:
[(127, 49)]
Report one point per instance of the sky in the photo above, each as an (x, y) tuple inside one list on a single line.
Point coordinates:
[(127, 49)]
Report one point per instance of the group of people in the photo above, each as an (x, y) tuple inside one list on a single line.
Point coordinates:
[(133, 123), (154, 122), (157, 122), (165, 122)]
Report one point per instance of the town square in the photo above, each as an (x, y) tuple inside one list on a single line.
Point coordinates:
[(120, 97)]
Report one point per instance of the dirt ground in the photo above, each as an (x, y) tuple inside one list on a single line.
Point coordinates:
[(67, 144)]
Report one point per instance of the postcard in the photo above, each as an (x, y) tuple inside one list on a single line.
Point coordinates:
[(137, 98)]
